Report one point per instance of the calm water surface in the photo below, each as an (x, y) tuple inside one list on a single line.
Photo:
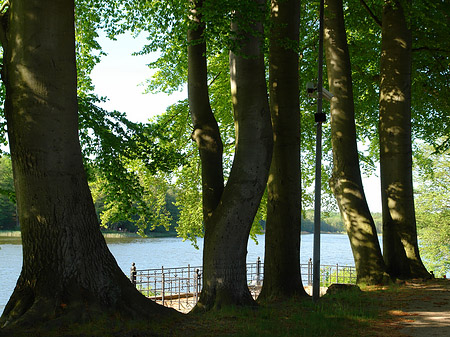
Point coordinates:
[(168, 252)]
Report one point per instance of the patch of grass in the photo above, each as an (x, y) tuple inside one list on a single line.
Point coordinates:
[(344, 314)]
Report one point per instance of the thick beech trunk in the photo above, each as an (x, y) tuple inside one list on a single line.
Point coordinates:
[(346, 182), (400, 248), (68, 273), (282, 277), (227, 228)]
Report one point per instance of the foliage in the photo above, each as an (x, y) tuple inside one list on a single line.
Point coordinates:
[(88, 50), (431, 72), (332, 222), (433, 210), (7, 195), (120, 157), (175, 207)]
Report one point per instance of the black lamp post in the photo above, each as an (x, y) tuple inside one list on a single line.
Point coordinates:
[(319, 117)]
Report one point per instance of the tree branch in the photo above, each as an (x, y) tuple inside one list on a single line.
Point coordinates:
[(377, 20), (431, 49), (4, 5), (214, 79)]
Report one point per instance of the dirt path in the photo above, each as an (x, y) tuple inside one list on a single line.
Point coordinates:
[(417, 308)]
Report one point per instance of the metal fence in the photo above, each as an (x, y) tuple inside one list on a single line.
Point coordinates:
[(176, 287), (181, 286), (335, 274)]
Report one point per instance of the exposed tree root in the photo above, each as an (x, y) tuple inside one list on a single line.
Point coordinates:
[(216, 299), (26, 310)]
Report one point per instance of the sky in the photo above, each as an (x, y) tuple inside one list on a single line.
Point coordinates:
[(120, 77)]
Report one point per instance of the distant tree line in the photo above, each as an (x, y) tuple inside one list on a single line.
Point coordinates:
[(331, 222)]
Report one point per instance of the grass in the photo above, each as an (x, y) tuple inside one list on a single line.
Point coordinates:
[(328, 275), (344, 314)]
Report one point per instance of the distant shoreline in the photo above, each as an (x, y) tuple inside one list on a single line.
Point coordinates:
[(107, 235), (122, 235), (10, 234)]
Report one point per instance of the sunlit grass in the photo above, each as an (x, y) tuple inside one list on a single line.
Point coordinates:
[(344, 314)]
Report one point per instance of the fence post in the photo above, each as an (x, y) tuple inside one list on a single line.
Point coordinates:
[(337, 273), (258, 271), (309, 271), (197, 284), (179, 293), (133, 274), (188, 290), (163, 287), (155, 286)]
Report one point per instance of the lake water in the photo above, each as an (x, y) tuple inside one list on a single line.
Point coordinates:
[(169, 252)]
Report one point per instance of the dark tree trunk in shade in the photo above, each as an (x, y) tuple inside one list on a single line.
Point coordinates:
[(400, 247), (68, 273), (346, 182), (282, 276), (228, 212)]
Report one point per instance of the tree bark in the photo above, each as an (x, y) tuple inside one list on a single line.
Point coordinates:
[(346, 182), (227, 229), (206, 131), (400, 248), (282, 275), (68, 273)]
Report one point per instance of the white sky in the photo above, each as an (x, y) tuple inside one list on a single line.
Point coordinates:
[(373, 193), (120, 76)]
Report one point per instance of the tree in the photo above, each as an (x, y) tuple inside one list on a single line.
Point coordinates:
[(68, 273), (432, 195), (430, 23), (206, 132), (400, 248), (282, 277), (228, 214), (346, 182)]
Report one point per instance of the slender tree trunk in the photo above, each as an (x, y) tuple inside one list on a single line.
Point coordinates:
[(68, 273), (400, 248), (282, 276), (228, 228), (206, 131), (346, 182)]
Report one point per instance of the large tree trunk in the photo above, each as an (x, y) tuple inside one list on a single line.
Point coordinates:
[(227, 229), (282, 277), (68, 273), (400, 249), (346, 182)]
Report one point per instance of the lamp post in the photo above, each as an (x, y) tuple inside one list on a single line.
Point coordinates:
[(319, 118)]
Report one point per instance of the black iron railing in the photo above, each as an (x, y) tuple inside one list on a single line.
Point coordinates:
[(181, 286)]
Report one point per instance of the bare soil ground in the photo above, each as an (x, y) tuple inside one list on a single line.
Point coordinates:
[(416, 308)]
